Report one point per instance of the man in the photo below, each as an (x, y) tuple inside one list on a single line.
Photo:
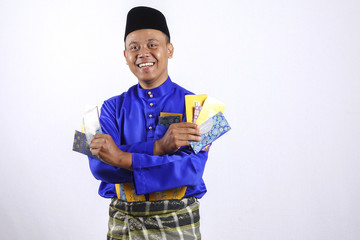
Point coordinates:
[(147, 167)]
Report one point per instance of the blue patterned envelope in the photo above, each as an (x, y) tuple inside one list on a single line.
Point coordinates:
[(80, 145), (211, 129)]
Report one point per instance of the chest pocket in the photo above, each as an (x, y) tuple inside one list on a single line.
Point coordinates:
[(165, 120)]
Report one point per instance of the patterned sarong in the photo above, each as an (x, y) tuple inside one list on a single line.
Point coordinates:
[(165, 220)]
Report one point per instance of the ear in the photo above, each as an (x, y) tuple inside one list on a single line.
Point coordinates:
[(125, 57), (170, 50)]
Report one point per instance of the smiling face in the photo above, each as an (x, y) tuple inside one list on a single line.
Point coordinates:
[(147, 52)]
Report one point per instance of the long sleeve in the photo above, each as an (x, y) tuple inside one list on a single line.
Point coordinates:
[(131, 119), (110, 126), (108, 173), (158, 173)]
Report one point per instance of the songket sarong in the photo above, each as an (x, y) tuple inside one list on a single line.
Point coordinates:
[(152, 220)]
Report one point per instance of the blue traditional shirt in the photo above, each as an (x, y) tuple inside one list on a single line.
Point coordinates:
[(131, 119)]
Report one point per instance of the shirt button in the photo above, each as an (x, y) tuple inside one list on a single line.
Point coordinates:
[(150, 116), (151, 104), (151, 95), (150, 127), (149, 92)]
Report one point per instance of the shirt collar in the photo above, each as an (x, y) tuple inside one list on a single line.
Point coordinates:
[(156, 92)]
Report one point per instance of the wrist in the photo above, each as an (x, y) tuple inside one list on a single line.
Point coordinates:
[(157, 148), (125, 160)]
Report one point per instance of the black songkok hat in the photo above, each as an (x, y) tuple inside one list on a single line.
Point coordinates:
[(145, 18)]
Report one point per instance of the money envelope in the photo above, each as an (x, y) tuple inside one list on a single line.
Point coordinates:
[(211, 129)]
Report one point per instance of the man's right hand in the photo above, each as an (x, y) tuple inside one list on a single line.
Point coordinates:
[(177, 135)]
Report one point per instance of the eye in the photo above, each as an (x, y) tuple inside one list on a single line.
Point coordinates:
[(152, 45), (134, 48)]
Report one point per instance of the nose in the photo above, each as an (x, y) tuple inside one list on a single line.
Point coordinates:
[(144, 52)]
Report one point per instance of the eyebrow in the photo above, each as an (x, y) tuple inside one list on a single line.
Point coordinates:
[(132, 42), (148, 40), (152, 39)]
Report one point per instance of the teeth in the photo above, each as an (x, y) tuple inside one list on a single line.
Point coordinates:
[(145, 64)]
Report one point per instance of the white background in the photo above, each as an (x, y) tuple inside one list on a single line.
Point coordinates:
[(288, 72)]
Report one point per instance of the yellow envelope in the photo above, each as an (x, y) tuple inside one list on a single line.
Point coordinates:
[(190, 105), (129, 193), (176, 193), (209, 109)]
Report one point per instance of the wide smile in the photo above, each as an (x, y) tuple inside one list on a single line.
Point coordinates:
[(141, 65)]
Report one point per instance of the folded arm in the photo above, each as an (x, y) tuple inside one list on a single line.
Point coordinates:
[(172, 165), (153, 165)]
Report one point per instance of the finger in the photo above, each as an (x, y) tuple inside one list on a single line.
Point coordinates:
[(185, 125), (94, 145), (186, 137), (99, 136), (182, 143), (94, 151), (98, 143), (189, 137), (98, 140), (192, 131), (194, 138), (189, 131)]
